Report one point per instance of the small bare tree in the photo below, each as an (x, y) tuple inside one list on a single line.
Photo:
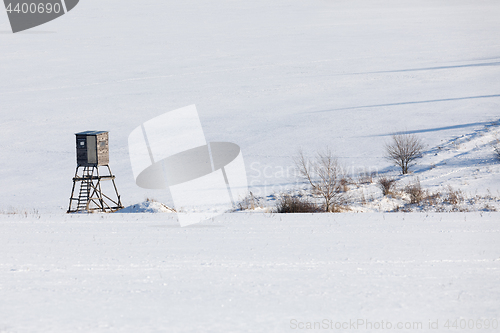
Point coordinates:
[(403, 150), (326, 177), (496, 147)]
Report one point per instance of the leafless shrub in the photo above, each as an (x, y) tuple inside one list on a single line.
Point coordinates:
[(488, 208), (326, 177), (453, 197), (249, 202), (339, 208), (403, 150), (447, 200), (386, 184), (496, 147), (431, 199), (366, 177), (344, 182), (415, 191), (439, 209), (489, 195), (295, 204), (22, 212), (403, 209), (363, 198)]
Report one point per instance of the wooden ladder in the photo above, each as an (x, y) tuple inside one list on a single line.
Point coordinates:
[(85, 189)]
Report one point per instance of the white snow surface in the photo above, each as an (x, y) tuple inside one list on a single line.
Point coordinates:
[(147, 207), (272, 77), (246, 272), (269, 76)]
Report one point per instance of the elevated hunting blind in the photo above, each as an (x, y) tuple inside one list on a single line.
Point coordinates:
[(92, 151), (92, 148)]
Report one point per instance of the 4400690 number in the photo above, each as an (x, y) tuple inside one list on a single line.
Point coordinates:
[(35, 8), (471, 324)]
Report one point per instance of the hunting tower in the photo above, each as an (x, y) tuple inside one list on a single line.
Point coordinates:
[(92, 152)]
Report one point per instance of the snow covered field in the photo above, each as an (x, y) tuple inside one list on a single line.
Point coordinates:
[(272, 77), (246, 272), (268, 76)]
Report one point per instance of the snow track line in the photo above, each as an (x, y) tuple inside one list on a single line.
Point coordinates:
[(167, 76), (408, 103), (443, 175), (257, 67), (436, 68)]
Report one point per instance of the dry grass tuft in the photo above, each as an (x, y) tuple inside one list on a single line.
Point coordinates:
[(248, 203), (386, 184), (453, 197), (416, 193), (295, 204)]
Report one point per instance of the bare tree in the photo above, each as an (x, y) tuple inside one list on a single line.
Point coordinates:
[(403, 150), (496, 147), (326, 177)]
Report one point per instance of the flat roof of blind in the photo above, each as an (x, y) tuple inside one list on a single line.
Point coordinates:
[(91, 132)]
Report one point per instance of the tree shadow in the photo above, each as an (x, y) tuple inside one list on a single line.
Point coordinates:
[(436, 129), (407, 103)]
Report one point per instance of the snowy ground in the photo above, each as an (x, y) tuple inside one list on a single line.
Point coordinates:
[(246, 272), (269, 76), (464, 169)]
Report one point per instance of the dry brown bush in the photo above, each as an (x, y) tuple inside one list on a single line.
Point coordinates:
[(488, 208), (344, 182), (453, 197), (249, 202), (431, 199), (416, 193), (295, 204), (386, 184), (496, 147), (403, 209), (366, 177)]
